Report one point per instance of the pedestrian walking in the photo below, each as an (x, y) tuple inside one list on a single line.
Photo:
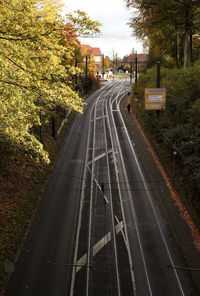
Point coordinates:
[(129, 108)]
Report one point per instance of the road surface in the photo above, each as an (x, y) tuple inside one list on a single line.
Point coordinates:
[(99, 230)]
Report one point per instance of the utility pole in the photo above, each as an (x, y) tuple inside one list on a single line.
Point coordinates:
[(158, 74), (158, 83), (76, 76), (103, 72), (131, 73), (136, 68), (86, 73), (86, 67), (53, 127), (41, 136)]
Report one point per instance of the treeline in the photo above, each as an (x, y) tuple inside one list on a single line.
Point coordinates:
[(171, 27), (171, 30), (37, 69), (175, 131)]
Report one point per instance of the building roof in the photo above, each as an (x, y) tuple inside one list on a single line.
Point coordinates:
[(141, 58), (92, 50), (96, 51)]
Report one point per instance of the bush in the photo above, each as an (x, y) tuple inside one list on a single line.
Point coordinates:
[(178, 126)]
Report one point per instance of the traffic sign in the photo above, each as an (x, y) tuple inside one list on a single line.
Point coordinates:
[(155, 98)]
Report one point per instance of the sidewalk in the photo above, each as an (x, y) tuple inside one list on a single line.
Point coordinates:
[(168, 200)]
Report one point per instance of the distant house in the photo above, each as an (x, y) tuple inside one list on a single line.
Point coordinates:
[(141, 58), (96, 52)]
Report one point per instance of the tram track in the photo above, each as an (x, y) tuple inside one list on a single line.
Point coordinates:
[(100, 148), (99, 158), (99, 229), (113, 254)]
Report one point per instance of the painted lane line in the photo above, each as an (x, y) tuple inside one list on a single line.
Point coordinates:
[(123, 234), (100, 117), (80, 209), (99, 246)]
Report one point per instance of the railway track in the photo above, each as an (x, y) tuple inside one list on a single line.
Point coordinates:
[(102, 233), (100, 229), (123, 243)]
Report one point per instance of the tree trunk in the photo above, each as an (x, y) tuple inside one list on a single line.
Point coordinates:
[(177, 50), (187, 48), (191, 51), (188, 34)]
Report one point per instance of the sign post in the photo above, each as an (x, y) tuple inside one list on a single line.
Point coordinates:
[(155, 98)]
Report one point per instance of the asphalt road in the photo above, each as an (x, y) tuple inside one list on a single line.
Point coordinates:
[(99, 230)]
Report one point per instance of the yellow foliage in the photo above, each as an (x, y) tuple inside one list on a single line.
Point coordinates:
[(33, 76)]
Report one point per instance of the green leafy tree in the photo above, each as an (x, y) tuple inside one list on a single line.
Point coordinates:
[(169, 24), (33, 79)]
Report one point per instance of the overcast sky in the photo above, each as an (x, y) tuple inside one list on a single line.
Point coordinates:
[(114, 16)]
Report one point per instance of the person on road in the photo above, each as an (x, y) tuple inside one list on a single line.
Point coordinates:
[(129, 108)]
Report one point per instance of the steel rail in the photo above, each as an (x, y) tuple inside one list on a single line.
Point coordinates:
[(111, 202), (128, 189), (151, 203), (81, 207), (121, 202), (82, 196), (92, 171), (89, 252)]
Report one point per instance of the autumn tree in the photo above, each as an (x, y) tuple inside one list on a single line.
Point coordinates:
[(169, 24), (86, 51), (107, 63), (32, 75)]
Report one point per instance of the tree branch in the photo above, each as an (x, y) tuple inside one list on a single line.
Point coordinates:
[(20, 85), (27, 37)]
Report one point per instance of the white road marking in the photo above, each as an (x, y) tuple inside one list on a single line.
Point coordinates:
[(133, 209), (120, 196), (100, 117), (100, 156), (151, 203), (123, 234), (95, 180), (99, 245)]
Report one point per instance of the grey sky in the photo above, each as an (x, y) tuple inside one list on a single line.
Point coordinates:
[(114, 16)]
